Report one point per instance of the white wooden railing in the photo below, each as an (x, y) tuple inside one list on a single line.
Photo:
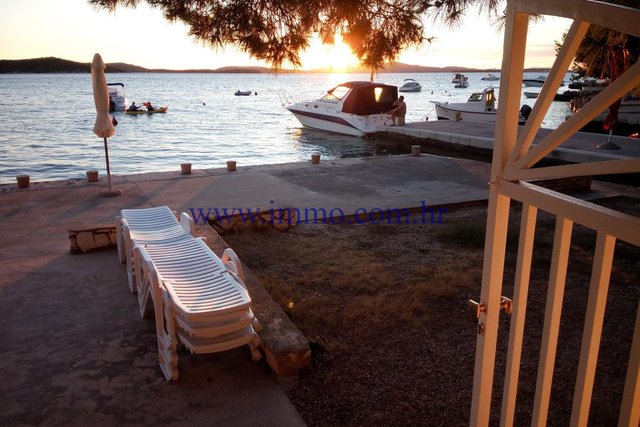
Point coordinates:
[(513, 159)]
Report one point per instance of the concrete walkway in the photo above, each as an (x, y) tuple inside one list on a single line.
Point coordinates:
[(74, 349), (579, 148)]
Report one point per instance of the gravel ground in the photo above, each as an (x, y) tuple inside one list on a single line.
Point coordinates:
[(385, 308)]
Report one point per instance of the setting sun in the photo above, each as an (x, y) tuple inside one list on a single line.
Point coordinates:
[(335, 57)]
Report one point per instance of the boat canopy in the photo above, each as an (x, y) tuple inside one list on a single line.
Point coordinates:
[(367, 98)]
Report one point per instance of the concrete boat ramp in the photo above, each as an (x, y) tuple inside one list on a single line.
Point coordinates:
[(75, 350)]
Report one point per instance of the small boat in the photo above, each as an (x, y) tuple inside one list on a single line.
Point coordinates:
[(628, 114), (531, 94), (535, 82), (458, 78), (480, 107), (490, 78), (410, 85), (141, 111), (117, 97), (352, 108), (463, 83), (242, 93), (567, 95)]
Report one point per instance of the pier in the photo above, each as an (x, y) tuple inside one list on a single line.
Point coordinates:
[(475, 140)]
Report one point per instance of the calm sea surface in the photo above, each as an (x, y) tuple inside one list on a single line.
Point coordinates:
[(46, 121)]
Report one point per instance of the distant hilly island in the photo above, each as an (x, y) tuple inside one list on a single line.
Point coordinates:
[(58, 65)]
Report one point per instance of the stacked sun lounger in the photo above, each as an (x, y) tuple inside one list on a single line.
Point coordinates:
[(198, 299)]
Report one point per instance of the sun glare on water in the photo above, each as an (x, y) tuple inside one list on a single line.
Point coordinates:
[(335, 57)]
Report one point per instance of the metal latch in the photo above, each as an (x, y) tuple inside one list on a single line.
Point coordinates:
[(476, 308)]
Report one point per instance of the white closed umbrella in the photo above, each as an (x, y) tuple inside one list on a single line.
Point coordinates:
[(103, 126)]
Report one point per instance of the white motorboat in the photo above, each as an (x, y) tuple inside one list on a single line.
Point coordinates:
[(531, 94), (463, 83), (352, 108), (458, 78), (628, 112), (480, 107), (117, 98), (535, 82), (410, 85), (490, 78)]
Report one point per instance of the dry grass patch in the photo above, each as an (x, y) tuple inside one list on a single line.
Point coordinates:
[(385, 309)]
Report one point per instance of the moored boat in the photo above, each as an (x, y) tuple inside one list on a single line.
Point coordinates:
[(463, 83), (535, 81), (117, 98), (242, 93), (410, 85), (480, 107), (352, 108), (458, 78), (628, 115), (490, 78), (141, 111)]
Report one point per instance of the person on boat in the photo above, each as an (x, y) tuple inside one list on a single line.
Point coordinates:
[(149, 106), (112, 105), (399, 111), (133, 107)]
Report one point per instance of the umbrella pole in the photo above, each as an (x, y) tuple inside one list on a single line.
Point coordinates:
[(106, 155)]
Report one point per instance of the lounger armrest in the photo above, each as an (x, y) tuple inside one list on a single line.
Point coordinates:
[(233, 264), (187, 223)]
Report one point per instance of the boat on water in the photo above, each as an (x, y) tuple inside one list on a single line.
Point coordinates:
[(463, 83), (628, 115), (242, 93), (141, 111), (458, 78), (354, 108), (567, 95), (490, 78), (480, 107), (535, 81), (117, 98), (410, 85)]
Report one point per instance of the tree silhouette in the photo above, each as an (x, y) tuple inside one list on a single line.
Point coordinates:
[(277, 31)]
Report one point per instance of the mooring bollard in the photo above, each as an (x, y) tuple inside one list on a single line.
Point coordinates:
[(416, 150), (92, 176), (458, 116), (23, 181), (185, 168), (231, 165), (315, 158)]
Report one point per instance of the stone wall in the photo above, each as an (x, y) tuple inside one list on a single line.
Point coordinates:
[(279, 219), (92, 239)]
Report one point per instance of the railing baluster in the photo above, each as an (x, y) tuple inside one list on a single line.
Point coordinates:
[(630, 410), (520, 293), (555, 295), (598, 290)]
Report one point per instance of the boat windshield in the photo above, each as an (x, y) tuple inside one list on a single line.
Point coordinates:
[(476, 96), (336, 94)]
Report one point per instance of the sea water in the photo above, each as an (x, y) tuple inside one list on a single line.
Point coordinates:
[(46, 121)]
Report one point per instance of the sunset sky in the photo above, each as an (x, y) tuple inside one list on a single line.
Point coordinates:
[(74, 30)]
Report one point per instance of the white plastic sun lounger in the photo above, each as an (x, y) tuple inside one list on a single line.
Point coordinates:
[(148, 226), (199, 302)]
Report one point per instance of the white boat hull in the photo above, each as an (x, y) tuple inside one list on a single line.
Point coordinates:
[(452, 112), (337, 122), (410, 89), (533, 83), (457, 112)]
